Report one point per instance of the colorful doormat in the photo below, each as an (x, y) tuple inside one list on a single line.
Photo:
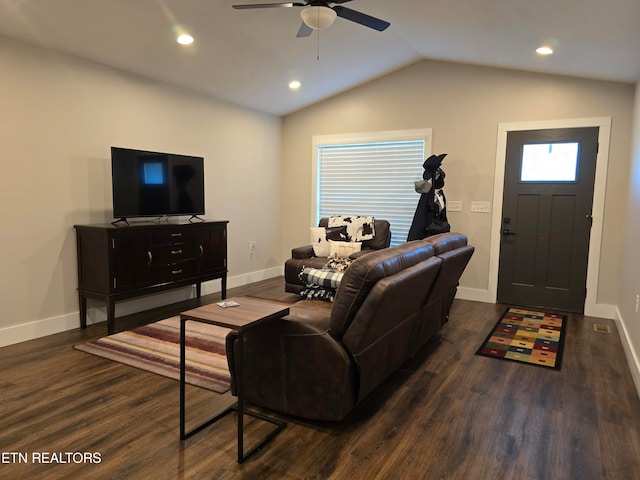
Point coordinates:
[(156, 348), (527, 336)]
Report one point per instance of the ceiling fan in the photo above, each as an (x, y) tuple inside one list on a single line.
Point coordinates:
[(319, 14)]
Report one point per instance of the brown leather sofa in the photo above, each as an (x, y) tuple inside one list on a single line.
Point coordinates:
[(304, 256), (323, 359)]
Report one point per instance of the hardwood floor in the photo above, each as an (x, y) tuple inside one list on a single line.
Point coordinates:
[(447, 414)]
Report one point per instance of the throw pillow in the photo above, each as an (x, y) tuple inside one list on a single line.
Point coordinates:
[(359, 228), (343, 249), (319, 242), (320, 235), (338, 234)]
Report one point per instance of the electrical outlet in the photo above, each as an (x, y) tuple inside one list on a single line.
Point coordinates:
[(252, 247), (481, 207), (454, 206)]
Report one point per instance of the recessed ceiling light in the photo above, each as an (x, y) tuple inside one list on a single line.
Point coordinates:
[(295, 85), (185, 39), (544, 50)]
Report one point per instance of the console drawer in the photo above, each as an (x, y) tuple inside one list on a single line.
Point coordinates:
[(174, 253), (175, 271), (171, 236)]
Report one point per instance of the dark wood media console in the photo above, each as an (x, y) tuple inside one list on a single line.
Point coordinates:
[(119, 262)]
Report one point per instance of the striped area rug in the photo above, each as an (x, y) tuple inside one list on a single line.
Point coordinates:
[(156, 348)]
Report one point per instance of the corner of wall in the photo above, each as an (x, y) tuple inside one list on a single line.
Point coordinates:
[(475, 294)]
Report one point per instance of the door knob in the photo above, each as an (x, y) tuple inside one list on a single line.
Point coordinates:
[(506, 231)]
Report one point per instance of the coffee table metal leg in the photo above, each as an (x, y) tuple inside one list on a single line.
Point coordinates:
[(242, 412), (240, 391), (183, 375), (238, 406)]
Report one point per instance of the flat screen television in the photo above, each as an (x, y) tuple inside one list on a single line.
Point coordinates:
[(156, 184)]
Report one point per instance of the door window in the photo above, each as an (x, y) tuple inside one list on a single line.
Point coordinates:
[(549, 162)]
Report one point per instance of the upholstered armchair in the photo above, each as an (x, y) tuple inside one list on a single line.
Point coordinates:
[(317, 256)]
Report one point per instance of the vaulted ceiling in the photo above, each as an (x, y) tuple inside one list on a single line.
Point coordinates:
[(249, 56)]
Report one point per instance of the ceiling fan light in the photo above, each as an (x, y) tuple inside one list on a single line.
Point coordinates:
[(318, 17)]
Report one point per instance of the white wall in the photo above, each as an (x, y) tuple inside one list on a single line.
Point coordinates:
[(464, 105), (628, 315), (60, 116)]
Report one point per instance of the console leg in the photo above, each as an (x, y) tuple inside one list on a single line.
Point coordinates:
[(223, 286), (82, 301), (111, 316)]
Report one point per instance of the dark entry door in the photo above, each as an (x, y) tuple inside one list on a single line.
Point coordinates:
[(546, 217)]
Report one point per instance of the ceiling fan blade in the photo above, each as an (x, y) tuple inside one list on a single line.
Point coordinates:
[(361, 18), (269, 5), (305, 30)]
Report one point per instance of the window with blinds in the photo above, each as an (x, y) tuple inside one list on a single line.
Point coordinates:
[(371, 177)]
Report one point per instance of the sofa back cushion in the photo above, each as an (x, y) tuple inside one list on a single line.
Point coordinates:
[(445, 242), (382, 237), (363, 274)]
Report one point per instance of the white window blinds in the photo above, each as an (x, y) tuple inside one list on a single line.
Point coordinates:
[(371, 178)]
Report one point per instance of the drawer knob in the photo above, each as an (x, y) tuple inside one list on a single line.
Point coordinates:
[(176, 252), (176, 272)]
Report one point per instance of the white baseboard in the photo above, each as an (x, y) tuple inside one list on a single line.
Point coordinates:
[(48, 326), (39, 328), (629, 351), (476, 294), (601, 310), (243, 279)]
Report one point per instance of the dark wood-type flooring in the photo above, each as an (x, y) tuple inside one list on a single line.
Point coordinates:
[(447, 414)]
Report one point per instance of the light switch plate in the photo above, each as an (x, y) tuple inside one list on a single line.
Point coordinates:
[(481, 207), (454, 206)]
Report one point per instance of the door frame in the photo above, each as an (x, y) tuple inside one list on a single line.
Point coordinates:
[(591, 308)]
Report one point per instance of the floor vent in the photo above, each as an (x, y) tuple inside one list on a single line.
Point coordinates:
[(601, 328)]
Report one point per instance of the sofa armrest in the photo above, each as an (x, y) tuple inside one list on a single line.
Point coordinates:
[(320, 377), (294, 366), (302, 252)]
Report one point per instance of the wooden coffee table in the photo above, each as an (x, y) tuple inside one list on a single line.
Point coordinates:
[(250, 312)]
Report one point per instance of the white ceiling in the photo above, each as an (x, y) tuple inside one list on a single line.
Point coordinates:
[(249, 56)]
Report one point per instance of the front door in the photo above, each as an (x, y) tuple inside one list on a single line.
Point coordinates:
[(546, 217)]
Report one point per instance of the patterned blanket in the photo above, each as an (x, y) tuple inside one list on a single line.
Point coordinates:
[(322, 283), (321, 277)]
